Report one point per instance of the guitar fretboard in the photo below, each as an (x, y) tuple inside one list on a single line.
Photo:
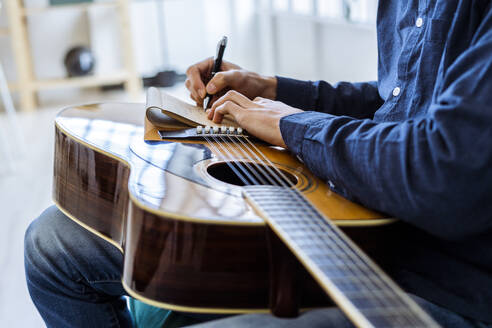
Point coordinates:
[(366, 295)]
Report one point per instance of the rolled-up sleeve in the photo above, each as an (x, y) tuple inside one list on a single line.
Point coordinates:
[(434, 171), (358, 100)]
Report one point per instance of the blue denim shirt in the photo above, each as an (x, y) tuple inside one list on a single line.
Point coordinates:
[(416, 144)]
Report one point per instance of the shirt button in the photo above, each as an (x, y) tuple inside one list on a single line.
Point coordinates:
[(396, 91), (419, 22)]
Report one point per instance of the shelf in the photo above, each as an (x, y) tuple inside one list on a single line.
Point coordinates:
[(85, 81), (28, 86), (78, 6), (74, 82)]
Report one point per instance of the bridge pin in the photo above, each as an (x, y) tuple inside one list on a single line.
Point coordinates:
[(207, 129), (216, 129), (199, 129)]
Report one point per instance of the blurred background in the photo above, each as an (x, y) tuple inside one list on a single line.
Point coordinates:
[(55, 53)]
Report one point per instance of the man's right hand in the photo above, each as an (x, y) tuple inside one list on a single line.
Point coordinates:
[(231, 77)]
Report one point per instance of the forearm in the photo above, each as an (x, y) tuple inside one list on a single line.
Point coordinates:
[(408, 169), (358, 100)]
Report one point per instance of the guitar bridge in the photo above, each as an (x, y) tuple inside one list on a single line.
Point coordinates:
[(202, 132)]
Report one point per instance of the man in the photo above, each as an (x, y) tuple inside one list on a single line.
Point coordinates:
[(416, 144)]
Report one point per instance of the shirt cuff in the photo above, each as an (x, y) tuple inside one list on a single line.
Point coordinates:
[(293, 128), (296, 93), (300, 133)]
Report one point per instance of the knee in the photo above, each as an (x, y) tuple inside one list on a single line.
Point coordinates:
[(41, 239)]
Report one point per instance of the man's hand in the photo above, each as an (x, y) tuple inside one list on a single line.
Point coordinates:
[(231, 77), (260, 117)]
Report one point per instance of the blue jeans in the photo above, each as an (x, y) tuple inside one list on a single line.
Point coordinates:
[(74, 279)]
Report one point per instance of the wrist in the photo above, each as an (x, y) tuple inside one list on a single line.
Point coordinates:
[(270, 87)]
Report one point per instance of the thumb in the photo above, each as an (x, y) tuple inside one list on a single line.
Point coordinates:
[(221, 81)]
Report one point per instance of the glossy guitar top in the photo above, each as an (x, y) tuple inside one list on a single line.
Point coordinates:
[(117, 130), (190, 241)]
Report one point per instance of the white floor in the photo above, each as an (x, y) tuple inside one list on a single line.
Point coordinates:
[(24, 194)]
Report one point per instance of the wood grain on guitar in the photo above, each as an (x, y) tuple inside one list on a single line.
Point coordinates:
[(195, 240)]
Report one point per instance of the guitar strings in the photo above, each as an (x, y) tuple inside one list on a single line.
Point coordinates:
[(230, 164), (269, 166), (230, 157), (351, 253), (356, 273), (286, 183), (256, 182), (248, 164)]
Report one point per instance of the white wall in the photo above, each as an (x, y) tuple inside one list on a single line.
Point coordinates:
[(294, 45), (325, 49)]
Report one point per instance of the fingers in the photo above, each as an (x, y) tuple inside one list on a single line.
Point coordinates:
[(226, 66), (221, 80), (194, 81), (193, 92), (260, 100), (232, 96), (228, 107)]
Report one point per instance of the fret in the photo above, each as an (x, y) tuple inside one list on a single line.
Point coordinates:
[(334, 264), (276, 202), (294, 221), (322, 247), (392, 320), (399, 314), (284, 211), (345, 278), (344, 273), (325, 254), (297, 222), (368, 305), (349, 270), (319, 255), (307, 234), (295, 225), (300, 234), (348, 284)]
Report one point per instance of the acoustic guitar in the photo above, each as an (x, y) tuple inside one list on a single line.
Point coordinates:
[(213, 221)]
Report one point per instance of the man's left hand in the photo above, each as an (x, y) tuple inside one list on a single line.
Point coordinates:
[(260, 117)]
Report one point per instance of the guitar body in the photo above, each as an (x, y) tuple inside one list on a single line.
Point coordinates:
[(190, 240)]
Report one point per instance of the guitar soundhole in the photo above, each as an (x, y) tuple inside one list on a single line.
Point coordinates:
[(240, 174)]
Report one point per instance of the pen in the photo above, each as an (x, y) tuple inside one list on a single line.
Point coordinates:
[(217, 63)]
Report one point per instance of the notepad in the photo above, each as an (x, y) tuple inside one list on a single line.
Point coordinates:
[(182, 111)]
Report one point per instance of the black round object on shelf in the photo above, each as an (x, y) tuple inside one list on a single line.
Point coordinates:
[(79, 61)]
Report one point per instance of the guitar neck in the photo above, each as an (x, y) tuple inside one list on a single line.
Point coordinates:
[(357, 285)]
